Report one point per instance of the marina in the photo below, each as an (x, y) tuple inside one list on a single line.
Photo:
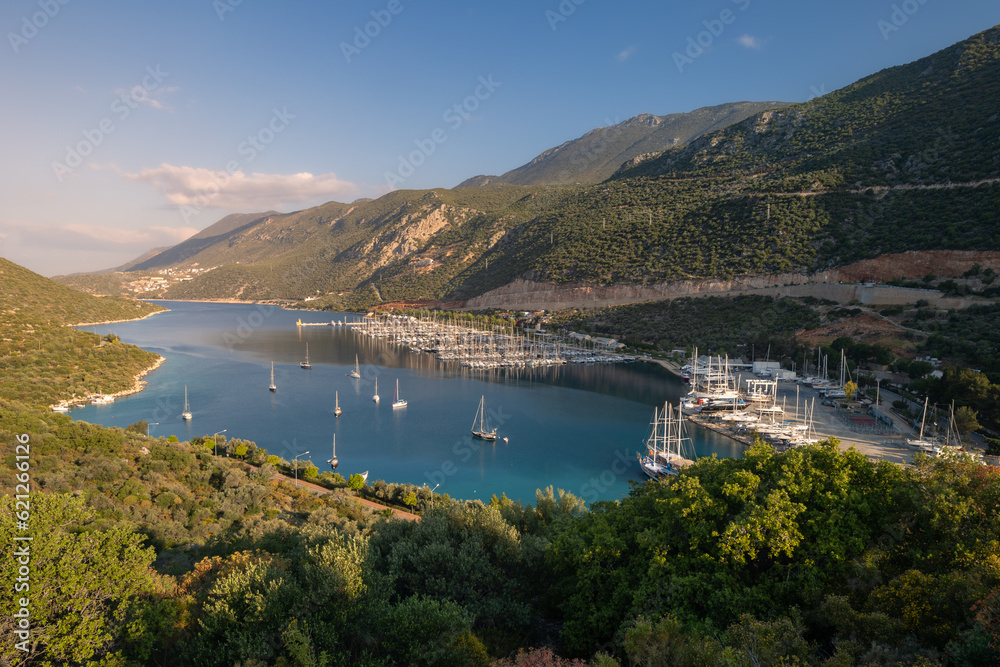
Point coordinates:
[(481, 347), (570, 425)]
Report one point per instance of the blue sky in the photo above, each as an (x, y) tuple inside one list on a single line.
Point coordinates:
[(131, 125)]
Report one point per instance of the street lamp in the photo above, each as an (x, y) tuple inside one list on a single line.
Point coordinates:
[(295, 466), (432, 494), (148, 424), (216, 442)]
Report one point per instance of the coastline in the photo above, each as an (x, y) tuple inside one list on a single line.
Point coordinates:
[(138, 384), (673, 368), (130, 319)]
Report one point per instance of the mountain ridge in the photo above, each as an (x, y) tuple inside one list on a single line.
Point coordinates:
[(597, 154)]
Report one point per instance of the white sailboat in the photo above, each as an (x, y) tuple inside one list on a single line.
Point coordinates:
[(186, 415), (336, 398), (356, 372), (397, 402), (481, 432), (306, 364), (920, 444), (273, 387), (375, 397), (665, 444), (334, 462)]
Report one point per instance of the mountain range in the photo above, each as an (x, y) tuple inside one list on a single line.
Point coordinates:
[(905, 159)]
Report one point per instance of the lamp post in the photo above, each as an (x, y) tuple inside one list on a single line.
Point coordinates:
[(215, 442), (148, 424), (295, 466)]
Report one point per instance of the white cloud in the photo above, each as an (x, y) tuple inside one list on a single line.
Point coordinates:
[(751, 42), (204, 188), (625, 55)]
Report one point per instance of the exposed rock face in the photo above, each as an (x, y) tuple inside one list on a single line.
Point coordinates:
[(827, 284)]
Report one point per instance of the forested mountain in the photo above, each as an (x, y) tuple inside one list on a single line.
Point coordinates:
[(42, 360), (906, 159), (598, 154)]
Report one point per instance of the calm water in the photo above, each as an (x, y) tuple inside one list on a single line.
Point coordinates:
[(573, 427)]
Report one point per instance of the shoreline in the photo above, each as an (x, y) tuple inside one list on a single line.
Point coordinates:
[(131, 319)]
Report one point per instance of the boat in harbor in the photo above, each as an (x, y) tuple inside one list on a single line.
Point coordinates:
[(356, 372), (665, 444), (336, 401), (397, 402), (334, 462), (186, 415), (919, 443), (273, 386), (480, 417), (376, 397), (306, 364)]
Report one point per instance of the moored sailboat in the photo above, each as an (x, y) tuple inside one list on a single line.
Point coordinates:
[(273, 387), (356, 372), (397, 402), (481, 432), (334, 462), (306, 364), (376, 397), (186, 415), (336, 398)]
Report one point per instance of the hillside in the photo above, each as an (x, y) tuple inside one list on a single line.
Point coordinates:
[(598, 154), (219, 232), (903, 160), (42, 360)]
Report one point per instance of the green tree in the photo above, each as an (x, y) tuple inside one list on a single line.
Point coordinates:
[(83, 582), (356, 482), (966, 420), (410, 499), (241, 450)]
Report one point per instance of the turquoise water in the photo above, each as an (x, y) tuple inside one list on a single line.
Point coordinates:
[(573, 427)]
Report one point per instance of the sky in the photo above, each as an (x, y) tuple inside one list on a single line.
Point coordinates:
[(132, 125)]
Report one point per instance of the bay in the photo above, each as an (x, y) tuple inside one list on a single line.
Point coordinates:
[(574, 427)]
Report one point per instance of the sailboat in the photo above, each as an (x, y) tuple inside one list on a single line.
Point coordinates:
[(334, 462), (273, 387), (920, 444), (375, 397), (356, 373), (481, 432), (397, 402), (186, 415), (306, 364), (336, 410)]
